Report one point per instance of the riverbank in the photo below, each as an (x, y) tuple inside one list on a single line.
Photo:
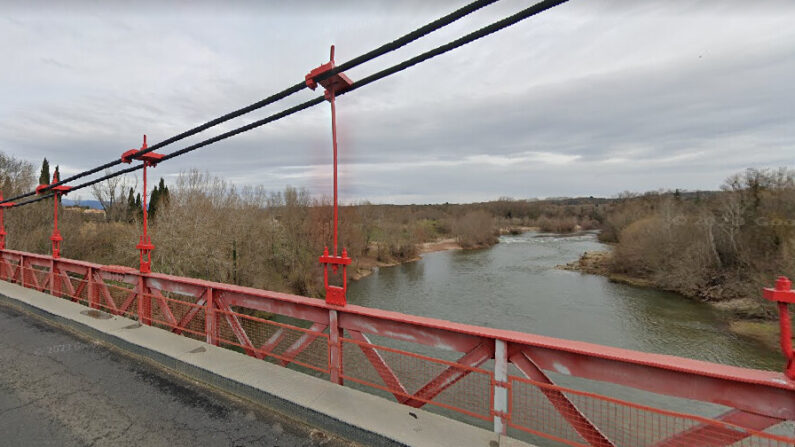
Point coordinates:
[(367, 264), (439, 245), (598, 263), (738, 309)]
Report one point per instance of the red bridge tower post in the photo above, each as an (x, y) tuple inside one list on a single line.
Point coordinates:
[(57, 191), (784, 295), (3, 206), (56, 238), (3, 233), (335, 295), (145, 244), (334, 84)]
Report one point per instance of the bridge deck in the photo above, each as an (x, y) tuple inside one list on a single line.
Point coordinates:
[(61, 390)]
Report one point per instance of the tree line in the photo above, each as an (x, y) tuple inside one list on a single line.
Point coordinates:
[(712, 245)]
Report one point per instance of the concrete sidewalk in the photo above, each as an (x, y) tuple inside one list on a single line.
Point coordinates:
[(343, 412)]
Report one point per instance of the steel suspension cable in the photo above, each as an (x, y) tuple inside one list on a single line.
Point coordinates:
[(471, 37), (359, 60), (83, 185)]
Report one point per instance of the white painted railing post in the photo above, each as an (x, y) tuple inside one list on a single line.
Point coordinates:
[(335, 348), (55, 280), (210, 319), (90, 288), (22, 270), (144, 302), (500, 409), (52, 276)]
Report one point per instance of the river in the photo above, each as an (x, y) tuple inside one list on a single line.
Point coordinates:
[(515, 285)]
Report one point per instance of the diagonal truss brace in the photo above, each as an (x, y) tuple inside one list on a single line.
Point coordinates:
[(562, 404), (452, 374)]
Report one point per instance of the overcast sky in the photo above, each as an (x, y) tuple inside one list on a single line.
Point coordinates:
[(589, 98)]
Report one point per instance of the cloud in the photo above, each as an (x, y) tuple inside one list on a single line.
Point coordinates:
[(590, 98)]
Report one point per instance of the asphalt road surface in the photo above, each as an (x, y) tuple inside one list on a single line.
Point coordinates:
[(58, 389)]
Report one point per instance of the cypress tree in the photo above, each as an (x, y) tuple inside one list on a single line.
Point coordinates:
[(57, 173), (159, 198), (44, 177), (131, 206), (234, 261), (163, 191), (153, 203)]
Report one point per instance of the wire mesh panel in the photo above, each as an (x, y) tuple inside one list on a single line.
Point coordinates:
[(116, 297), (33, 277), (417, 380), (38, 276), (282, 343), (562, 416), (10, 270), (16, 272), (179, 313), (24, 277), (68, 285), (72, 286)]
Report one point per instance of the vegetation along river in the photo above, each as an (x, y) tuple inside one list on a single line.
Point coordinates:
[(515, 285)]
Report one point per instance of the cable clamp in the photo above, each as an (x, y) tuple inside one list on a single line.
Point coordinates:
[(150, 159), (334, 84)]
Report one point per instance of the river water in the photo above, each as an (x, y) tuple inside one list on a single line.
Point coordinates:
[(515, 285)]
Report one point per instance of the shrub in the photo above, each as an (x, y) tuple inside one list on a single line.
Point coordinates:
[(475, 229)]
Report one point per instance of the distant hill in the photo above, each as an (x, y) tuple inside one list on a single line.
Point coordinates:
[(89, 203)]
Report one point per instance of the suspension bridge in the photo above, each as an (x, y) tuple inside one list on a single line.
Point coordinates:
[(516, 384)]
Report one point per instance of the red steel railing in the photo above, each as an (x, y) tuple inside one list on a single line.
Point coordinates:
[(480, 375)]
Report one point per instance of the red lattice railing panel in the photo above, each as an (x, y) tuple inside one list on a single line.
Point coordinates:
[(460, 388), (279, 342), (623, 423), (183, 314)]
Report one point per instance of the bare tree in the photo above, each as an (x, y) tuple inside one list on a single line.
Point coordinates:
[(111, 195), (16, 176)]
